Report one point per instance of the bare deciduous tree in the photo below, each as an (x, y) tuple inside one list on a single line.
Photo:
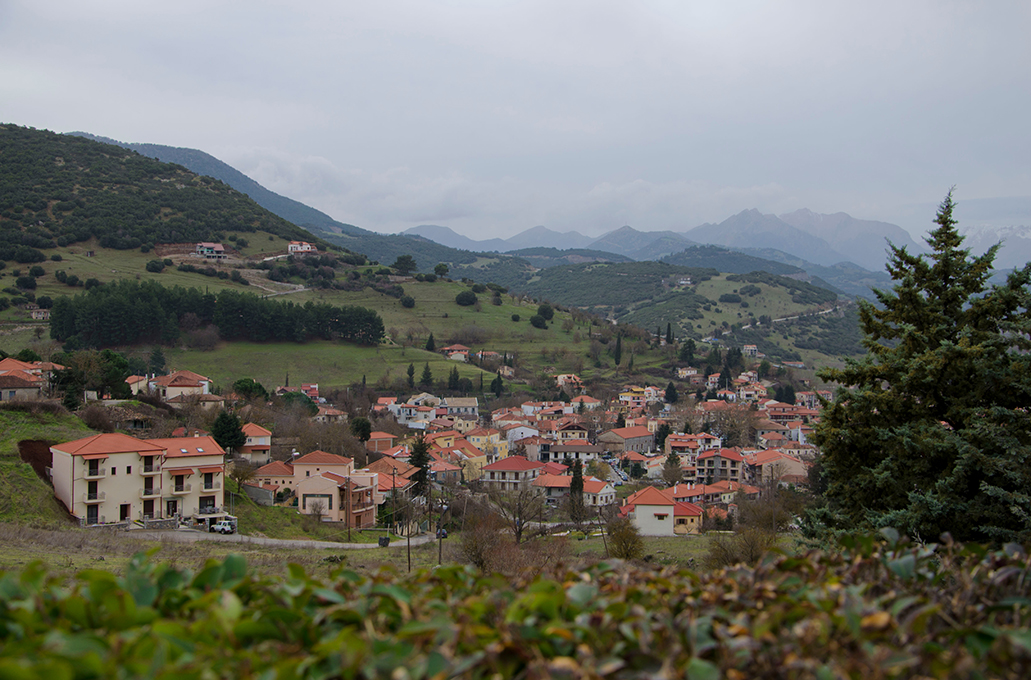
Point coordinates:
[(520, 509)]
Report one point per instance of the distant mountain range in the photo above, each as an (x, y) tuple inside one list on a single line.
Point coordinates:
[(823, 240), (847, 253)]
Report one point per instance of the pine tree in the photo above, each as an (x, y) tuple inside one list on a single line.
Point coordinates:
[(228, 431), (672, 472), (669, 334), (411, 375), (662, 433), (452, 379), (431, 346), (157, 361), (672, 396), (932, 433), (420, 458), (426, 380), (687, 351)]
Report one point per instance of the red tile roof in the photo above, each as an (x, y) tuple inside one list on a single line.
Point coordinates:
[(276, 468), (255, 430), (182, 447), (631, 432), (113, 442), (649, 495), (322, 458)]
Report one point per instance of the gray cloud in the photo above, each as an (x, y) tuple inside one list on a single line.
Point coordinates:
[(494, 117)]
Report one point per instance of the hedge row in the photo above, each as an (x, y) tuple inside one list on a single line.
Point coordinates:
[(876, 609)]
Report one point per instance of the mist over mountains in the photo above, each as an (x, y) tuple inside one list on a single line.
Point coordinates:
[(839, 248)]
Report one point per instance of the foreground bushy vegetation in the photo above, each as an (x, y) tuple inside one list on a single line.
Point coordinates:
[(877, 609)]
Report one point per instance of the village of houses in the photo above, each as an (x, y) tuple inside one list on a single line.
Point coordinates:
[(181, 481)]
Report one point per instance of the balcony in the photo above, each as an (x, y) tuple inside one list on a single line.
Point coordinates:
[(150, 470), (181, 489), (152, 492), (95, 473), (95, 497), (210, 510), (211, 486)]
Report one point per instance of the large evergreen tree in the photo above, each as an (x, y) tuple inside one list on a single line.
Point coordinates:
[(228, 431), (931, 432), (577, 507), (672, 471), (420, 458)]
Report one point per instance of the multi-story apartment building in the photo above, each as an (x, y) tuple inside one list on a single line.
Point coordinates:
[(110, 478)]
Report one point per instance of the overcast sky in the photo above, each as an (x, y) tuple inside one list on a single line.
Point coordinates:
[(494, 117)]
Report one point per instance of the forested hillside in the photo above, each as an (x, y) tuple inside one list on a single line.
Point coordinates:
[(729, 261), (56, 190), (129, 312)]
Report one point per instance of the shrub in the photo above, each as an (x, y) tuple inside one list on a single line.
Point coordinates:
[(91, 283), (37, 271), (97, 418), (546, 311), (515, 317), (26, 282), (537, 321), (56, 257), (407, 301), (744, 547), (155, 266), (730, 297), (479, 288), (625, 540), (466, 298)]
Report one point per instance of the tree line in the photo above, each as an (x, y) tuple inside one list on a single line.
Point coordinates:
[(134, 312)]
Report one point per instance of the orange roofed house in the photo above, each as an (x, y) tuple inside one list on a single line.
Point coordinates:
[(257, 447), (109, 478)]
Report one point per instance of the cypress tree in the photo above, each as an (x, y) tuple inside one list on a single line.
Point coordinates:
[(577, 508), (431, 346)]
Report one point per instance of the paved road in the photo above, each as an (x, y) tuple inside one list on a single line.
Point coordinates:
[(190, 536)]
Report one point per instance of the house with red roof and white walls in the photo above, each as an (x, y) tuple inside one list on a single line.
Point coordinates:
[(257, 446), (114, 478), (511, 474)]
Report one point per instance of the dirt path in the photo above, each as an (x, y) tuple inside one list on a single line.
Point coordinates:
[(191, 536)]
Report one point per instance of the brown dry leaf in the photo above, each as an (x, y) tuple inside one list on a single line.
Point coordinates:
[(876, 621)]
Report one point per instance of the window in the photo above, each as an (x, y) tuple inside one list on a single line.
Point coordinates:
[(114, 471), (660, 517), (128, 469)]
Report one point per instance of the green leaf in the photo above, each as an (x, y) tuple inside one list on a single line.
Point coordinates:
[(699, 669)]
